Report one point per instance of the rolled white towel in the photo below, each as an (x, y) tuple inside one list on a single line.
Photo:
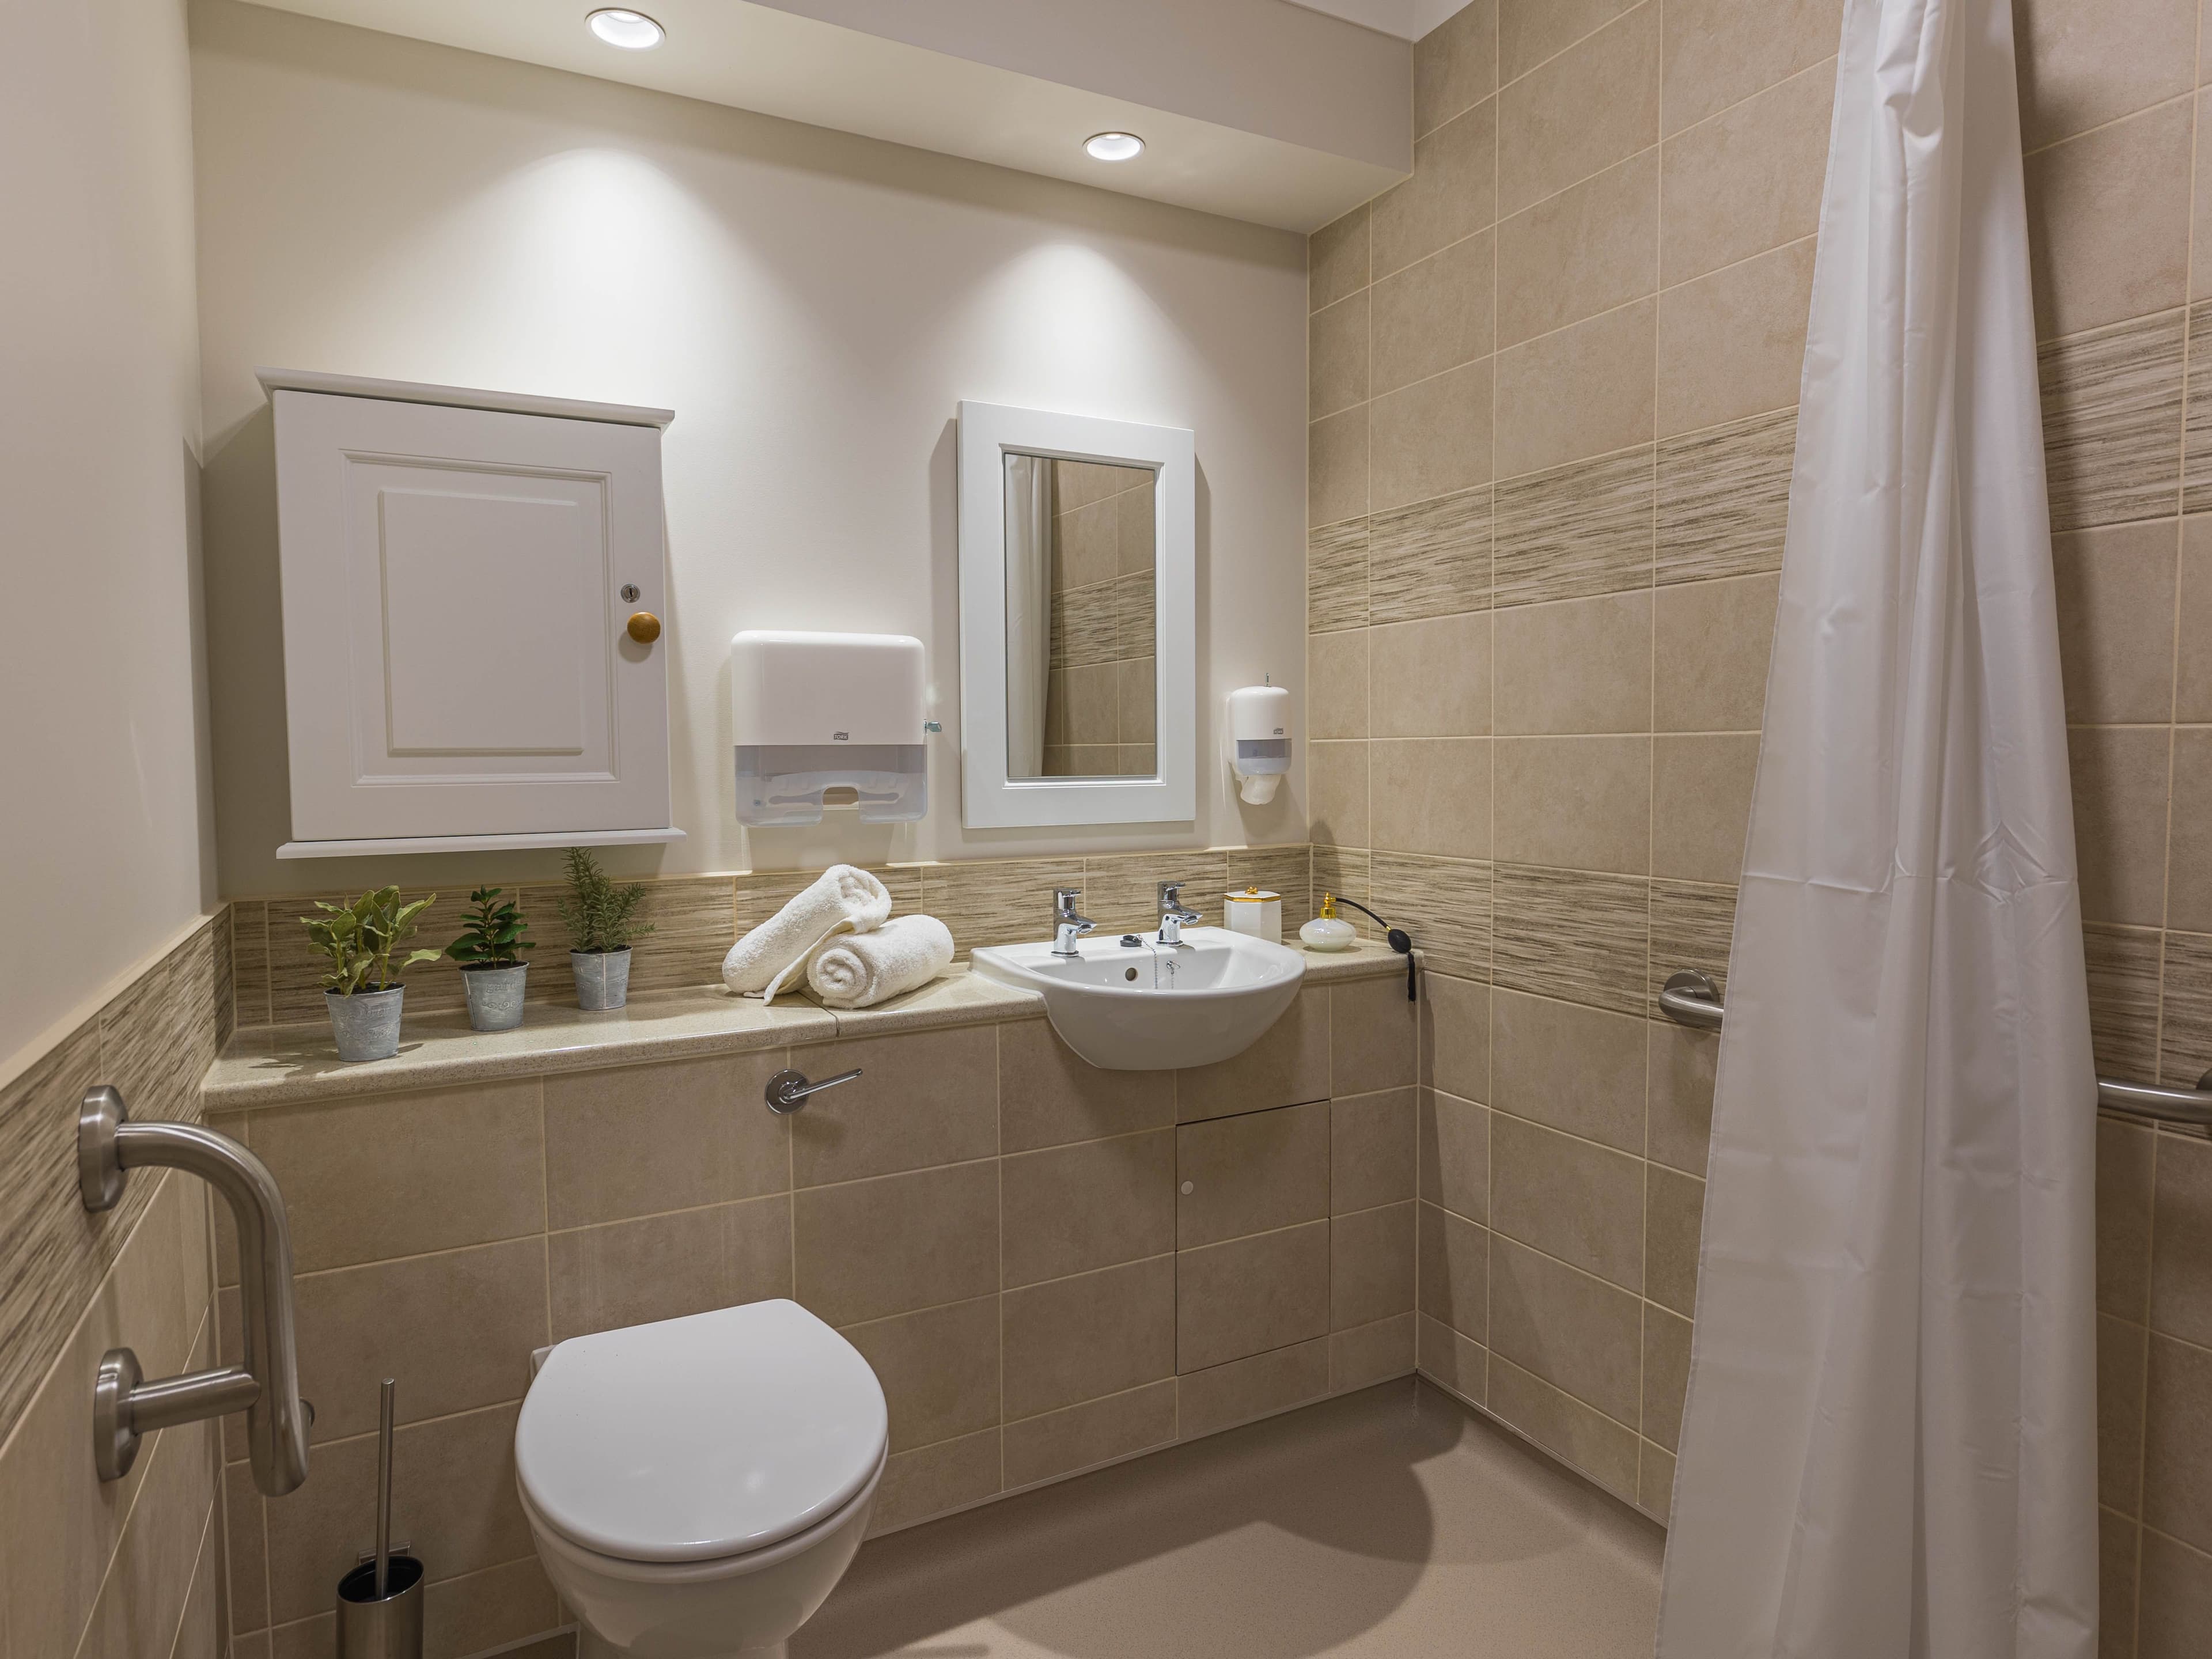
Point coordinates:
[(903, 955), (843, 899)]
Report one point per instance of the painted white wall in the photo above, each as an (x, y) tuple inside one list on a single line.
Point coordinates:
[(811, 305), (1408, 20), (104, 825)]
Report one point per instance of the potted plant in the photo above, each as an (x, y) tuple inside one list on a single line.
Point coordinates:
[(597, 914), (362, 989), (494, 935)]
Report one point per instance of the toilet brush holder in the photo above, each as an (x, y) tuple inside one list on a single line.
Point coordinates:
[(380, 1601)]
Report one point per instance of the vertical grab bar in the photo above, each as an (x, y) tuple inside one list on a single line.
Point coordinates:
[(267, 1387)]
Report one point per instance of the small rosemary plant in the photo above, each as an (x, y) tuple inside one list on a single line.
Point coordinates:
[(598, 909)]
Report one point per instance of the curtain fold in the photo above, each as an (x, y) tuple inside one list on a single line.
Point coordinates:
[(1888, 1447), (1028, 611)]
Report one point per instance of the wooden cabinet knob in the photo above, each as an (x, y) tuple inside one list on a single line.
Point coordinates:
[(644, 626)]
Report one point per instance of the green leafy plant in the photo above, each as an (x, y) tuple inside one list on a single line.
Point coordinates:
[(597, 910), (360, 938), (493, 935)]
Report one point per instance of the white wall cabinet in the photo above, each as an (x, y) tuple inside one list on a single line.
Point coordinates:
[(461, 571)]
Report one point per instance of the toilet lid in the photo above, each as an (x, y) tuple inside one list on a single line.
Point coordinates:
[(700, 1437)]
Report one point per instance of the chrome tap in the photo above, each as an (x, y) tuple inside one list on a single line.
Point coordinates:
[(1172, 914), (1066, 925)]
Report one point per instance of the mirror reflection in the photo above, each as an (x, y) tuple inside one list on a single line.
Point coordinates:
[(1079, 635)]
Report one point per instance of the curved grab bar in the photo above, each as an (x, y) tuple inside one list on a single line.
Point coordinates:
[(1690, 998), (266, 1386)]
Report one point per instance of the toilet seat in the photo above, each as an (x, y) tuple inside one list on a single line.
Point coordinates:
[(702, 1441)]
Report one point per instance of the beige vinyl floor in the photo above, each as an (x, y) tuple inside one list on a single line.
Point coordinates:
[(1391, 1522)]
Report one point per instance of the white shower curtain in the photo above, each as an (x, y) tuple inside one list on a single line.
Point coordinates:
[(1889, 1444), (1028, 611)]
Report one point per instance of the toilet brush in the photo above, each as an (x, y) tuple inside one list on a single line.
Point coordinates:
[(380, 1599)]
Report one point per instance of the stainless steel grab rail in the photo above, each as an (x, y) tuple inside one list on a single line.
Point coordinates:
[(266, 1386), (1691, 998)]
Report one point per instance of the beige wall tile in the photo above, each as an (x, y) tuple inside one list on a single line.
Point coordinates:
[(1431, 559), (1665, 1375), (1681, 1099), (939, 1368), (1452, 1271), (1701, 804), (2180, 1290), (1336, 787), (1371, 1150), (1368, 1354), (2177, 1442), (245, 1547), (1531, 31), (869, 1248), (1373, 1036), (1456, 65), (2176, 1598), (1591, 247), (1082, 1436), (1709, 645), (951, 1474), (1336, 467), (1098, 1334), (2189, 877), (1370, 1265), (1431, 679), (1574, 934), (1748, 180), (1049, 1095), (1249, 1295), (1676, 1206), (2192, 698), (2119, 775), (151, 1576), (1454, 1155), (1433, 437), (1587, 1439), (1655, 1482), (1252, 1173), (1336, 371), (663, 1266), (1577, 1333), (923, 1098), (2125, 1176), (1070, 1209), (2118, 1545), (2123, 1354), (2108, 221), (1571, 1199), (1581, 529), (459, 1327), (1451, 194), (1596, 103), (1732, 342), (1719, 52), (1435, 314), (2200, 207), (1585, 803), (1569, 1067), (2083, 63), (2112, 404), (1222, 1396), (1583, 390), (1456, 1035), (1336, 258), (1336, 683), (1432, 795), (1451, 1361), (1288, 1067), (646, 1138), (1576, 665)]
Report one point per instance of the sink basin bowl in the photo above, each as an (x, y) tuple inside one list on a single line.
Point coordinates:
[(1152, 1007)]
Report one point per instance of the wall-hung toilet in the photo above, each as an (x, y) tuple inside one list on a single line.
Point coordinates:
[(697, 1486)]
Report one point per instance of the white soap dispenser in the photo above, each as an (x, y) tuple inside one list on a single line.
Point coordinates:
[(1259, 739)]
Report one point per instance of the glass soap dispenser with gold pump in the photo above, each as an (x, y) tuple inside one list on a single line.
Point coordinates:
[(1327, 930)]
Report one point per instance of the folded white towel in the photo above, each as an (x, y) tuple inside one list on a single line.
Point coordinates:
[(843, 899), (903, 955)]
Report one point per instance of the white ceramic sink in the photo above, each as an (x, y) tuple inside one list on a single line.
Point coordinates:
[(1151, 1007)]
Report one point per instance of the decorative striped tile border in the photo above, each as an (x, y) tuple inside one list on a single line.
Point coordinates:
[(1085, 625), (249, 961), (2196, 443), (2112, 421), (1572, 934), (2186, 1032), (1444, 904), (2123, 970), (1336, 577), (1692, 925), (1284, 870), (1431, 559), (1134, 616), (1724, 499), (996, 902), (1576, 530), (1345, 870), (1121, 893)]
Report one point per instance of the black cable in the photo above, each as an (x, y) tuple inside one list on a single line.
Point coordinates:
[(1400, 941)]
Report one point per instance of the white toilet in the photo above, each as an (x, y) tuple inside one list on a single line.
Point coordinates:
[(697, 1486)]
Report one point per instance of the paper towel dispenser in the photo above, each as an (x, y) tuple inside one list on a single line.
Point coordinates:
[(811, 713)]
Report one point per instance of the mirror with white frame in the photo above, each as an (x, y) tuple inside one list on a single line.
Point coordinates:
[(1077, 591)]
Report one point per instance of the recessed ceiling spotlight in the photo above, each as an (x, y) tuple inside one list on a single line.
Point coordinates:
[(620, 27), (1114, 146)]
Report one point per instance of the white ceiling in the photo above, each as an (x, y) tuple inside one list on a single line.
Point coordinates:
[(1280, 113), (1409, 20)]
